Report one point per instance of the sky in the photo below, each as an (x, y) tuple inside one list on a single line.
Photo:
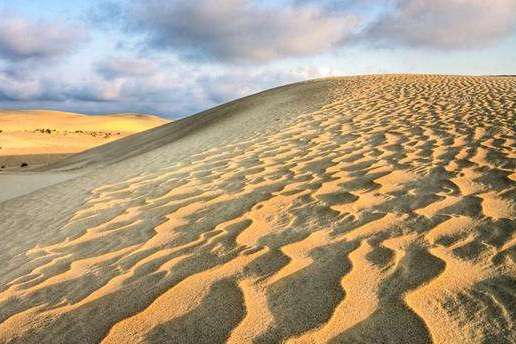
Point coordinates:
[(177, 57)]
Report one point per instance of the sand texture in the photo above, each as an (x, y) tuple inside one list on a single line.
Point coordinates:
[(40, 137), (375, 209)]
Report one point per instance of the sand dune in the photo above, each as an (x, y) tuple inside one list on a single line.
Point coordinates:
[(39, 137), (375, 209)]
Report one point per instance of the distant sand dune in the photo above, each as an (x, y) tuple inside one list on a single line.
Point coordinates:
[(375, 209), (40, 137)]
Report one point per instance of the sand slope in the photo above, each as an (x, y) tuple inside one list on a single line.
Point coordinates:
[(373, 209), (39, 137)]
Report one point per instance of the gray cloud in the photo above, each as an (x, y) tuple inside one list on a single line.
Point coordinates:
[(116, 67), (239, 30), (172, 90), (21, 39), (248, 31), (443, 24)]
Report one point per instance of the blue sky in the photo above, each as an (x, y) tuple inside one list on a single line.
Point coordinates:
[(177, 57)]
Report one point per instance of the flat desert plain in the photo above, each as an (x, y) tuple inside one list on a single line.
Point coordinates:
[(39, 137), (368, 209)]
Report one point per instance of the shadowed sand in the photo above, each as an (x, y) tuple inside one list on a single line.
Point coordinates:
[(375, 209)]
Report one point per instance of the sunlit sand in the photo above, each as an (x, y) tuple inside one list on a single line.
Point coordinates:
[(39, 137)]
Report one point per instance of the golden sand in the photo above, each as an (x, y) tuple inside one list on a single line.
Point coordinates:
[(374, 209), (39, 137)]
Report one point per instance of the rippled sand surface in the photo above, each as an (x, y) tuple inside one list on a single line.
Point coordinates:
[(374, 209)]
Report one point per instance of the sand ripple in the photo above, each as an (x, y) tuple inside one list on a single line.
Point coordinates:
[(384, 215)]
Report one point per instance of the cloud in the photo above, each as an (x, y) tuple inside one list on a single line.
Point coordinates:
[(174, 89), (257, 32), (239, 30), (107, 14), (116, 67), (22, 39), (29, 89), (443, 24), (241, 81)]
